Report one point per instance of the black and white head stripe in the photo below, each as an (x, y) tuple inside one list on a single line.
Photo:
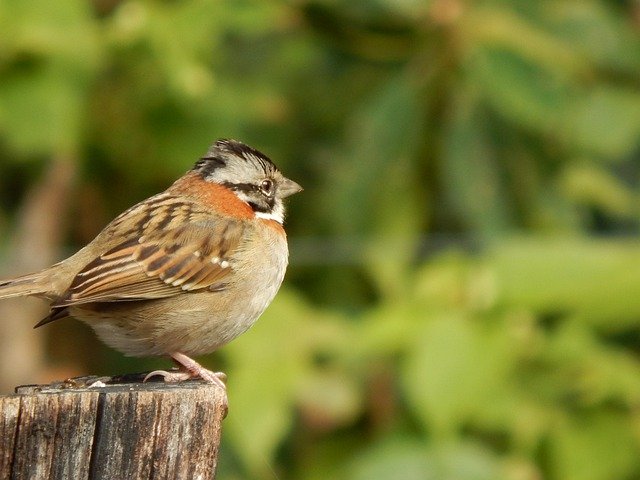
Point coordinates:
[(224, 150), (250, 175)]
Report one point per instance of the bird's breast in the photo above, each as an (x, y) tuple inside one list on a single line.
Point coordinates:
[(197, 323)]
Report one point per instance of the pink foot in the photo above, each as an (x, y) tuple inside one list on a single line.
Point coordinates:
[(188, 369)]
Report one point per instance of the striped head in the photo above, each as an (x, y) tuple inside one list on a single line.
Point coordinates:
[(250, 175)]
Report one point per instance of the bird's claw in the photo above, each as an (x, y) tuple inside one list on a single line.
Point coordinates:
[(176, 376), (168, 377)]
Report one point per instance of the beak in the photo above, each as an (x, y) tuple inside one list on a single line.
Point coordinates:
[(288, 187)]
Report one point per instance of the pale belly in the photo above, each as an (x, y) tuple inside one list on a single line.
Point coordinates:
[(194, 323)]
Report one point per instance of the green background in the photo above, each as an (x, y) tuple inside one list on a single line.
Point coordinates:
[(463, 300)]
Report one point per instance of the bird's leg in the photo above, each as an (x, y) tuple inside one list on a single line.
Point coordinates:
[(196, 370), (188, 369)]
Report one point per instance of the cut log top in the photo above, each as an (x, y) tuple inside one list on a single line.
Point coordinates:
[(111, 428)]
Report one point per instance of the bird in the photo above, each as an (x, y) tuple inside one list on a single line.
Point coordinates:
[(183, 272)]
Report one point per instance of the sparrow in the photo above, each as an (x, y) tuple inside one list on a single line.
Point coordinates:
[(181, 273)]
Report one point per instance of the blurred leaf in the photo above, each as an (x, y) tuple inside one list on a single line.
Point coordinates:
[(594, 30), (470, 168), (50, 58), (378, 172), (589, 277), (518, 30), (384, 333), (262, 397), (42, 111), (594, 447), (329, 399), (592, 186), (384, 136), (522, 91), (452, 370), (589, 371), (394, 459), (45, 29), (270, 367), (452, 281), (604, 120)]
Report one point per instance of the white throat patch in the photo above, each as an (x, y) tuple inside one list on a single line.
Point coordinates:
[(277, 215)]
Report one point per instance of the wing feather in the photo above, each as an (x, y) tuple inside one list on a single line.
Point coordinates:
[(191, 257)]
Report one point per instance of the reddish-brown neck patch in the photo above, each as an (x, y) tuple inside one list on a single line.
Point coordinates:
[(216, 197)]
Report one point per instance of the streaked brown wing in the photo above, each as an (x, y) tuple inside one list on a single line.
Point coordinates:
[(188, 258)]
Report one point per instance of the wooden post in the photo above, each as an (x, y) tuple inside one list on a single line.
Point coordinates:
[(111, 427)]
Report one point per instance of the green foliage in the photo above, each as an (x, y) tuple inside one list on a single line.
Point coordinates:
[(464, 297)]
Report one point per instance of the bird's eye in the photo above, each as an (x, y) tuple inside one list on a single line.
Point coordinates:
[(266, 187)]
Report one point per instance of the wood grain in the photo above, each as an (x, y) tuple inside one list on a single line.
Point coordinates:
[(120, 429), (9, 415)]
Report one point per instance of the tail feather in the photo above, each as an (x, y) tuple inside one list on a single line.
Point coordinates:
[(32, 284)]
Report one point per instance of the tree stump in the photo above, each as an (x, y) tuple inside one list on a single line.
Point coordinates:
[(111, 428)]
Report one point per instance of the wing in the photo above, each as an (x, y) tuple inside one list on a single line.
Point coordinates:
[(192, 257)]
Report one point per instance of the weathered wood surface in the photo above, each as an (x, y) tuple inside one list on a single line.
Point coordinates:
[(118, 429)]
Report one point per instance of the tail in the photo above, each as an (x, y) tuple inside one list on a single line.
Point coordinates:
[(38, 284)]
